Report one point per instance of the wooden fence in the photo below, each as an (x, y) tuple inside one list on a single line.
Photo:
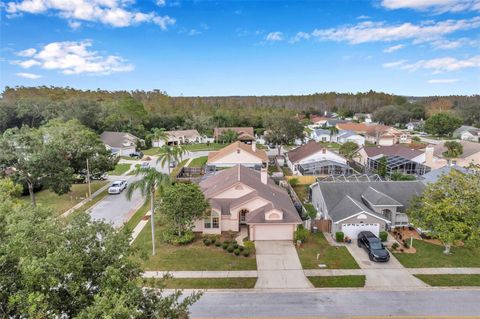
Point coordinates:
[(323, 225)]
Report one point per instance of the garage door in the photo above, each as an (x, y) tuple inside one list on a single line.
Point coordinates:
[(273, 232), (352, 230)]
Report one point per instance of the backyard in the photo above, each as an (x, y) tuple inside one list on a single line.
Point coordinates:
[(332, 257), (430, 255)]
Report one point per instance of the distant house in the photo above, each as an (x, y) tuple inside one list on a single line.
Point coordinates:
[(237, 153), (320, 135), (467, 133), (360, 206), (436, 174), (318, 120), (243, 197), (120, 143), (358, 128), (245, 134), (334, 122), (349, 136), (386, 136), (313, 159), (366, 117), (415, 125), (180, 137), (435, 159)]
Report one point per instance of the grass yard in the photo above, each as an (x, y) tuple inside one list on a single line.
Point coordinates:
[(430, 255), (177, 168), (333, 257), (61, 203), (120, 169), (330, 145), (198, 162), (450, 280), (337, 281), (190, 147), (203, 283), (137, 217), (195, 256)]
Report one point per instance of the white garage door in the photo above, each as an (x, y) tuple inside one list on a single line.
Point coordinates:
[(352, 230), (273, 232)]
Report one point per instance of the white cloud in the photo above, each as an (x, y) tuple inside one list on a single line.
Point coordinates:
[(442, 81), (300, 36), (437, 65), (445, 44), (74, 24), (369, 31), (115, 13), (26, 53), (394, 64), (394, 48), (274, 36), (161, 3), (363, 17), (30, 76), (194, 32), (438, 6), (75, 58)]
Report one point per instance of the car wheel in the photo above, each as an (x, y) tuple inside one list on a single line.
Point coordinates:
[(370, 257), (358, 244)]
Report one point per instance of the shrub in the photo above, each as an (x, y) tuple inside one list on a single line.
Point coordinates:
[(236, 252), (246, 253), (293, 181), (207, 241), (383, 235), (301, 234), (172, 237), (230, 249), (241, 248), (395, 246), (406, 245), (249, 245), (227, 241), (225, 245), (218, 243), (235, 245), (339, 236), (234, 242), (213, 240)]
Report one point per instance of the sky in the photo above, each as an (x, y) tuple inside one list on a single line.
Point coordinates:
[(204, 48)]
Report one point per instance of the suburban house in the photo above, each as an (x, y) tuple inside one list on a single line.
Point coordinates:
[(314, 159), (436, 174), (349, 136), (334, 122), (399, 158), (415, 125), (318, 120), (245, 134), (237, 153), (467, 133), (434, 157), (358, 128), (180, 137), (353, 206), (243, 197), (120, 143), (387, 136), (366, 117), (320, 135)]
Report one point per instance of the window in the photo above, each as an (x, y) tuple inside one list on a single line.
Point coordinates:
[(207, 222), (215, 222), (212, 221)]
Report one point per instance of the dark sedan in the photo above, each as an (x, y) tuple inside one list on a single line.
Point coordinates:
[(373, 245)]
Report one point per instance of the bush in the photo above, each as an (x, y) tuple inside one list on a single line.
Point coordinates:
[(172, 237), (235, 245), (339, 237), (395, 246), (234, 242), (249, 245), (383, 235), (207, 241), (218, 243), (213, 240), (230, 249), (241, 248), (246, 253), (227, 241), (301, 234), (236, 252), (293, 181), (225, 245)]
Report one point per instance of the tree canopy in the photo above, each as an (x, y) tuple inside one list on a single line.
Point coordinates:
[(442, 124)]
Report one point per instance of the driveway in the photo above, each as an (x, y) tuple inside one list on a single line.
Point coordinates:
[(278, 266), (389, 274)]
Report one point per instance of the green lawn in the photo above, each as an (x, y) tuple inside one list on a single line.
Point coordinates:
[(330, 145), (137, 217), (337, 281), (333, 257), (430, 255), (198, 162), (195, 256), (120, 169), (450, 280), (203, 283), (61, 203), (190, 147)]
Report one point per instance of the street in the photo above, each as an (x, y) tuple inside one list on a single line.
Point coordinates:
[(340, 303)]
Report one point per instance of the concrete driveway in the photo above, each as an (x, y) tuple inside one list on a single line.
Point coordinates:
[(278, 266), (383, 274)]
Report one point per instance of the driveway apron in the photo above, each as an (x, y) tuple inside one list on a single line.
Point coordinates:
[(278, 266)]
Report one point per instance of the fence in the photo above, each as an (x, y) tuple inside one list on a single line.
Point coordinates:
[(323, 225), (191, 174)]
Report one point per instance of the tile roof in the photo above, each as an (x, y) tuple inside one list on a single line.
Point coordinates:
[(234, 147), (181, 133), (469, 148)]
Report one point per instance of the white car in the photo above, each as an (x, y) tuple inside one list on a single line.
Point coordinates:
[(117, 187)]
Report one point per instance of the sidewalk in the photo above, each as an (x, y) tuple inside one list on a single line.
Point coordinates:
[(203, 274), (140, 226)]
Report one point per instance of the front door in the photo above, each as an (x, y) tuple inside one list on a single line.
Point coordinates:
[(243, 216)]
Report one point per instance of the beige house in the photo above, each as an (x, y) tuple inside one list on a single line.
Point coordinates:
[(243, 197), (386, 136), (120, 143), (180, 137), (434, 155), (245, 134), (238, 153)]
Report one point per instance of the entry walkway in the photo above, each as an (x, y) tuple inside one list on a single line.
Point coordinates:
[(279, 267)]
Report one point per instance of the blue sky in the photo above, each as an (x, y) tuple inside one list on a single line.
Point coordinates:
[(410, 47)]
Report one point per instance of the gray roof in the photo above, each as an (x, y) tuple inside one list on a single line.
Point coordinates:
[(344, 199), (320, 131), (118, 139), (346, 134), (464, 128), (378, 198), (433, 176), (393, 150), (469, 148)]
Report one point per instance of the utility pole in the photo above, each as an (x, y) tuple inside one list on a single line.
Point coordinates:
[(88, 181)]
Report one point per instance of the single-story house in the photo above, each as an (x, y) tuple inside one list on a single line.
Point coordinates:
[(467, 133), (245, 134), (237, 153), (243, 197), (415, 125), (320, 135), (366, 117), (121, 143), (349, 136), (180, 137), (359, 128), (314, 159), (434, 155), (386, 136), (358, 206)]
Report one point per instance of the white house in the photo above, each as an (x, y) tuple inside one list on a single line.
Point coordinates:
[(237, 153), (349, 136), (467, 133), (120, 143), (320, 135), (180, 137)]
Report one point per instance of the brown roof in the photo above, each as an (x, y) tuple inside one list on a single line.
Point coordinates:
[(303, 151), (469, 148), (186, 133), (314, 119), (393, 150), (243, 132), (380, 128), (359, 128), (277, 197), (214, 156)]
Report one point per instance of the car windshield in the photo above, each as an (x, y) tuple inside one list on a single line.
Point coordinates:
[(376, 245), (116, 184)]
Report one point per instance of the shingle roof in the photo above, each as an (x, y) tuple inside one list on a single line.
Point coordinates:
[(394, 150), (469, 148), (303, 151), (356, 127), (234, 147), (347, 207), (378, 198), (435, 174), (186, 133), (243, 132), (118, 139)]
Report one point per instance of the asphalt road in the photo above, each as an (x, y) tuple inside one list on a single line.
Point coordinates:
[(431, 303), (117, 209)]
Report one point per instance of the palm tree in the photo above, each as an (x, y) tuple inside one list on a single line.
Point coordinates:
[(151, 181), (168, 154), (229, 136), (333, 131), (159, 134)]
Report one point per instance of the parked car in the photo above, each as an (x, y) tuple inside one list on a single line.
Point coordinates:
[(117, 187), (373, 245), (136, 154), (99, 176), (79, 178)]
